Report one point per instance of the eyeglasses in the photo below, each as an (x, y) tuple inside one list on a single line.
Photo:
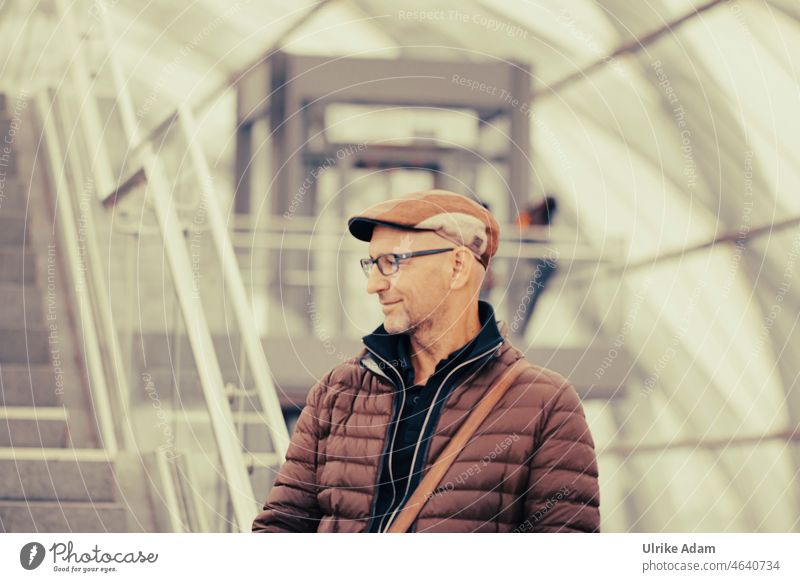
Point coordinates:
[(389, 263)]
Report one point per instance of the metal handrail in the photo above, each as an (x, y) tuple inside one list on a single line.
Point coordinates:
[(200, 340), (170, 492), (232, 278), (239, 487), (67, 223), (237, 481), (103, 355), (100, 295)]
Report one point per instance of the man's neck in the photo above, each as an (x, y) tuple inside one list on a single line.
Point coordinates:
[(435, 343)]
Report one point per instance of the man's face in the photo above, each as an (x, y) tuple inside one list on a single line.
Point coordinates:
[(411, 297)]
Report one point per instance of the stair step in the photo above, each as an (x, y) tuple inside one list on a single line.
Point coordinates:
[(20, 302), (56, 474), (23, 385), (20, 345), (17, 264), (13, 228), (61, 516), (28, 426), (13, 196)]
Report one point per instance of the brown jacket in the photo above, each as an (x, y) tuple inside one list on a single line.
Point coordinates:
[(530, 467)]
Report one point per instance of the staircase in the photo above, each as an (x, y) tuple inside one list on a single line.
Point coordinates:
[(53, 476)]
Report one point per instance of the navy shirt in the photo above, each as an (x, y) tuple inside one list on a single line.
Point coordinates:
[(419, 410)]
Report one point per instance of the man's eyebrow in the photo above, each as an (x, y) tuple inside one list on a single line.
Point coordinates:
[(371, 256)]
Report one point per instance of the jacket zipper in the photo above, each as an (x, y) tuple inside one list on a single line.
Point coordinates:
[(425, 424), (386, 444)]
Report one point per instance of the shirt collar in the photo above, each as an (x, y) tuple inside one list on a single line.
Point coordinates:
[(395, 348)]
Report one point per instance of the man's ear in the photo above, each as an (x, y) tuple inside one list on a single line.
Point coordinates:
[(461, 265)]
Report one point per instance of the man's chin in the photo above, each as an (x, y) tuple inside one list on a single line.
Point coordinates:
[(394, 326)]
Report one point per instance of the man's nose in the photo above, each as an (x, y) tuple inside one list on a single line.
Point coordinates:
[(377, 281)]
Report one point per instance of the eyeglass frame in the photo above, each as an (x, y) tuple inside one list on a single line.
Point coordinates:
[(366, 264)]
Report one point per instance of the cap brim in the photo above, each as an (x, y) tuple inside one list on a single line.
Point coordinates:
[(362, 227)]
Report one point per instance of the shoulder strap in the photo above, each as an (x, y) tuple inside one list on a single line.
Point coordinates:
[(437, 471)]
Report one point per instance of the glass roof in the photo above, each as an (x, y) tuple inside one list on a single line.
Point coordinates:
[(663, 140)]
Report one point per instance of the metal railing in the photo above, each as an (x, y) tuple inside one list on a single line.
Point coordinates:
[(102, 359), (154, 176)]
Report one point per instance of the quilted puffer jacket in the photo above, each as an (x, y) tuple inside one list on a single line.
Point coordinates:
[(530, 467)]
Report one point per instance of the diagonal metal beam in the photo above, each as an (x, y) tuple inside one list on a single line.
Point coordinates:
[(630, 47)]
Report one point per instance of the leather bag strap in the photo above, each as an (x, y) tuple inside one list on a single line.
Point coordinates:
[(437, 471)]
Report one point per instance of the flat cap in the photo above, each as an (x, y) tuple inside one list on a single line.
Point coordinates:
[(450, 215)]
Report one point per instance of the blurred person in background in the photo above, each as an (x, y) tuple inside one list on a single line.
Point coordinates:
[(529, 283)]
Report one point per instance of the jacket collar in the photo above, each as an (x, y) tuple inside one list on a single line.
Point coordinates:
[(394, 349)]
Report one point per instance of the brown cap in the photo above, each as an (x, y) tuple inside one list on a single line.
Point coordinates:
[(450, 215)]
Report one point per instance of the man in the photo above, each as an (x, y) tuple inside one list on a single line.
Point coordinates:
[(374, 424)]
